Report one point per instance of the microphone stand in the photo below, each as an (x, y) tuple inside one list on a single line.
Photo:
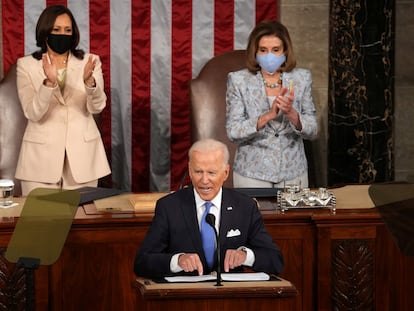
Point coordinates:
[(211, 220)]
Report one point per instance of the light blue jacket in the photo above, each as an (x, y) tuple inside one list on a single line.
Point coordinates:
[(275, 152)]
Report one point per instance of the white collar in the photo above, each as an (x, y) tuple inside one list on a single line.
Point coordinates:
[(216, 200)]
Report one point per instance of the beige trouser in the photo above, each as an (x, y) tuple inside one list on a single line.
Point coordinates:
[(66, 182)]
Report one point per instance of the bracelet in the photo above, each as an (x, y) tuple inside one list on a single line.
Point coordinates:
[(90, 84), (48, 83)]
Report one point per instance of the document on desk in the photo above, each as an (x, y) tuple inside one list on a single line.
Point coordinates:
[(231, 277)]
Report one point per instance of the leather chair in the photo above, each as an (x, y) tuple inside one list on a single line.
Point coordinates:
[(208, 105), (12, 126), (208, 100)]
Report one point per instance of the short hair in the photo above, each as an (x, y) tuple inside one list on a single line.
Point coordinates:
[(266, 28), (45, 25), (210, 144)]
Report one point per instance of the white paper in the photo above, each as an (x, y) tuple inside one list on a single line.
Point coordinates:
[(195, 278), (256, 276)]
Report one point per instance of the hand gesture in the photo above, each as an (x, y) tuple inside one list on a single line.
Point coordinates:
[(233, 259), (190, 262), (89, 67), (49, 68), (285, 100)]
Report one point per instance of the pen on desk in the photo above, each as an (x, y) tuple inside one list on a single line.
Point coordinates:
[(112, 209)]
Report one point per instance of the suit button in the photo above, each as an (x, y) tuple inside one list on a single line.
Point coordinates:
[(276, 135)]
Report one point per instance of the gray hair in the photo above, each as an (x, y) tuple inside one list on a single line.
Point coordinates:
[(210, 144)]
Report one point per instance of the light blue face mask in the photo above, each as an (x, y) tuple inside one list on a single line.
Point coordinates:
[(270, 62)]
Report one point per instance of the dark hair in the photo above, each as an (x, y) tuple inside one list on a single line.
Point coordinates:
[(265, 28), (45, 25)]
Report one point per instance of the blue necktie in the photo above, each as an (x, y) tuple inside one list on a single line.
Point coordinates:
[(208, 237)]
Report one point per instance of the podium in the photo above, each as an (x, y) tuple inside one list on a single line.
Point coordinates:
[(241, 296)]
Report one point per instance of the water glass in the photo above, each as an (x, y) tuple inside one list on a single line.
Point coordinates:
[(7, 192)]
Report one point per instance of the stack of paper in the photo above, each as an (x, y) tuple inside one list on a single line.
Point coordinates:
[(138, 202), (117, 203), (231, 277), (145, 202)]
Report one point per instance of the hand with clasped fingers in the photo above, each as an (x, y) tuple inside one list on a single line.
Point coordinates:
[(283, 103)]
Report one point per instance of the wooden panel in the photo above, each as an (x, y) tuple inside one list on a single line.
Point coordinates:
[(244, 296), (345, 267), (103, 260), (297, 244), (394, 275), (95, 269)]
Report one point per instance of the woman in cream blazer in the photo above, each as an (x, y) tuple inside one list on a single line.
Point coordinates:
[(61, 140)]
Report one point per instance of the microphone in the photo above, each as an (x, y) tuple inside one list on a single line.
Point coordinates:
[(211, 220)]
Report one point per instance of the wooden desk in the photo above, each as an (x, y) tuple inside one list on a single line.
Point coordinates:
[(95, 269), (240, 296)]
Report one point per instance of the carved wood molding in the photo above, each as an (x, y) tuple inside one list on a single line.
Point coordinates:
[(353, 274), (12, 285)]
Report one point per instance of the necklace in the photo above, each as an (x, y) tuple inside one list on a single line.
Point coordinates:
[(273, 85), (63, 60)]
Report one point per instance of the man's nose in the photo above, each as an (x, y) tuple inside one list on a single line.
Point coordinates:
[(205, 177)]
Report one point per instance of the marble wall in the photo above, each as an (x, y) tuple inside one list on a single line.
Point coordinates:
[(404, 91), (308, 22), (361, 92)]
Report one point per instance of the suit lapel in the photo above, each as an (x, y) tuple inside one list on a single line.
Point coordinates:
[(227, 216), (189, 211), (257, 84)]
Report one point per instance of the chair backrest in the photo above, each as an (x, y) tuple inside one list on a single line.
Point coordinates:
[(208, 100), (12, 127)]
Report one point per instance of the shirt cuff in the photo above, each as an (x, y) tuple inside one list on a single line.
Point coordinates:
[(250, 258), (174, 267)]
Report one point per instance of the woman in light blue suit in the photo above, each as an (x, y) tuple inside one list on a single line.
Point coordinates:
[(270, 112)]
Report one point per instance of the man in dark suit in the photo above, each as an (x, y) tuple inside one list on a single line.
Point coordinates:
[(173, 244)]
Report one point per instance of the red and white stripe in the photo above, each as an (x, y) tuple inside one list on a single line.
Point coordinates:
[(150, 49)]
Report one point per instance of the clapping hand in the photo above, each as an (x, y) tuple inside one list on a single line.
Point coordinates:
[(285, 100), (49, 68), (88, 71)]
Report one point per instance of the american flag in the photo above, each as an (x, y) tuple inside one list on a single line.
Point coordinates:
[(150, 49)]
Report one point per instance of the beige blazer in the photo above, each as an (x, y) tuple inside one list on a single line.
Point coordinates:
[(60, 122)]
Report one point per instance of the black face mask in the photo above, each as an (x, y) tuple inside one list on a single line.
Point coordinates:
[(60, 43)]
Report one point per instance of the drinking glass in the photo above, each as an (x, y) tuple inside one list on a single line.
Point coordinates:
[(7, 192)]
